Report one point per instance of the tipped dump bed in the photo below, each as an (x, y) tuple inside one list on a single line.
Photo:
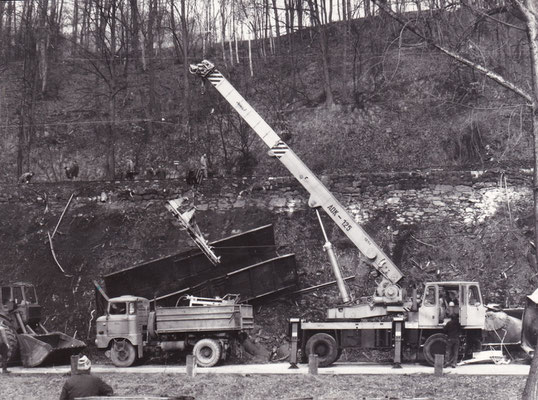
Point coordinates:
[(50, 348)]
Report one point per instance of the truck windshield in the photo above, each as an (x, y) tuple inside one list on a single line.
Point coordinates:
[(117, 308)]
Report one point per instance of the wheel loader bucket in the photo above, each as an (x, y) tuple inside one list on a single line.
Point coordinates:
[(50, 348)]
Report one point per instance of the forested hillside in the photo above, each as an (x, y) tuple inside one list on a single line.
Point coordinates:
[(110, 83)]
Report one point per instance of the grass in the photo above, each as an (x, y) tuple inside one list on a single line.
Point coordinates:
[(276, 387)]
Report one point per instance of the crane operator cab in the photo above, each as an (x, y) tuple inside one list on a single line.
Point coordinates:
[(441, 300)]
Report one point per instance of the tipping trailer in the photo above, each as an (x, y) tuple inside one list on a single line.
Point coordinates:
[(20, 314), (131, 330), (387, 319)]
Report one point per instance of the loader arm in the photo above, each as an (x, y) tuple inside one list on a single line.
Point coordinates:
[(320, 196)]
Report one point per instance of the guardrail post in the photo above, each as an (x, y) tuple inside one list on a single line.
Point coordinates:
[(191, 366), (438, 365), (313, 364), (293, 342)]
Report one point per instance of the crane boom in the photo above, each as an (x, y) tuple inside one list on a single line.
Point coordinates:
[(320, 196)]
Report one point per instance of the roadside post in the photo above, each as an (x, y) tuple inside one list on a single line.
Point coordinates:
[(74, 364), (191, 366), (313, 363), (438, 366)]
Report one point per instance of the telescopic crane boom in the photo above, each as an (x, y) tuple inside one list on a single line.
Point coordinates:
[(388, 292)]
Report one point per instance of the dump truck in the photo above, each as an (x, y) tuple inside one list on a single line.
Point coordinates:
[(29, 341), (134, 328), (387, 319)]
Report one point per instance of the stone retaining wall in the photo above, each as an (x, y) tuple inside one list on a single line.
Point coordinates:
[(463, 197)]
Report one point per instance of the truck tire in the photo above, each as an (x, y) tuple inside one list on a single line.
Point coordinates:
[(207, 352), (436, 344), (122, 353), (324, 345), (11, 333)]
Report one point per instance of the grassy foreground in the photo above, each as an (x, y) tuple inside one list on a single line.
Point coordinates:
[(276, 387)]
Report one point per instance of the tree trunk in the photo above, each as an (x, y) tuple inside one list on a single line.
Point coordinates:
[(186, 75), (531, 386), (111, 137), (529, 11), (74, 27), (42, 43), (223, 29), (250, 58), (299, 15), (277, 23)]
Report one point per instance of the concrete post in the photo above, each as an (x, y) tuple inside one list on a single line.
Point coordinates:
[(191, 366), (74, 365), (313, 364), (438, 365)]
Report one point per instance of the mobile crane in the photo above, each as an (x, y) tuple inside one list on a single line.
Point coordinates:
[(414, 323)]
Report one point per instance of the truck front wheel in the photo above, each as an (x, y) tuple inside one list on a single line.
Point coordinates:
[(437, 344), (123, 353), (207, 352), (324, 345)]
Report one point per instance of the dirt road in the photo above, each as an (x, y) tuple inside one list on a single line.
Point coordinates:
[(283, 369)]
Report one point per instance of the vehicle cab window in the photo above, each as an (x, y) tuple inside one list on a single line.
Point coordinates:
[(474, 296), (429, 296), (6, 295), (118, 308), (17, 295), (29, 293)]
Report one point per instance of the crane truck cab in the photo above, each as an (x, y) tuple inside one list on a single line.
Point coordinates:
[(441, 300)]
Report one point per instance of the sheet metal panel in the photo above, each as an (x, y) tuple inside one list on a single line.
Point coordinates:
[(250, 267)]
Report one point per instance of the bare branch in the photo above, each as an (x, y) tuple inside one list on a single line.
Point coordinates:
[(458, 57)]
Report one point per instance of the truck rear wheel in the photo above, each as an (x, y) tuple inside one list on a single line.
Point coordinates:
[(207, 352), (324, 345), (436, 344), (123, 353)]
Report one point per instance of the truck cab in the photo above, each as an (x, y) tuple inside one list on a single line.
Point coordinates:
[(441, 300), (126, 319)]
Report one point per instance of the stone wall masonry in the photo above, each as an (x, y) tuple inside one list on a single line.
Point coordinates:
[(463, 197)]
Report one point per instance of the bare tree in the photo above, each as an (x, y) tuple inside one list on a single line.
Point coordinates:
[(324, 51), (182, 39)]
